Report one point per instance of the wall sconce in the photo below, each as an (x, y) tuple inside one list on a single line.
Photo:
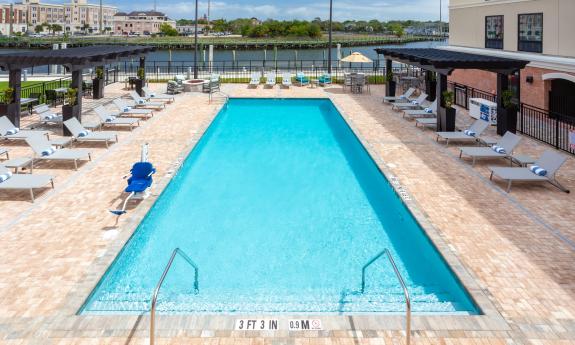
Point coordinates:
[(529, 79)]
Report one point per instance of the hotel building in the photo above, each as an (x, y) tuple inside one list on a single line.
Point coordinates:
[(540, 31), (140, 22), (18, 19)]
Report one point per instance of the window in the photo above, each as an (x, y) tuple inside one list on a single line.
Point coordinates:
[(530, 33), (494, 32)]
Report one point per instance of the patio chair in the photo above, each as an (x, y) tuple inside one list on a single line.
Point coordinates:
[(503, 149), (301, 79), (255, 80), (82, 134), (403, 97), (128, 111), (469, 135), (47, 115), (324, 80), (9, 131), (426, 122), (52, 97), (286, 80), (430, 111), (270, 79), (172, 87), (347, 81), (9, 181), (139, 102), (45, 151), (162, 96), (543, 170), (415, 104), (108, 119)]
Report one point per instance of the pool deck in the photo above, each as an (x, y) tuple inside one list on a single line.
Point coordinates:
[(515, 252)]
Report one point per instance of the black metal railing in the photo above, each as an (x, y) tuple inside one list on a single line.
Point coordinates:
[(545, 126), (463, 93)]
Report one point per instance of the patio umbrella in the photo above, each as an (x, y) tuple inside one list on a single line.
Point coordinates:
[(356, 57)]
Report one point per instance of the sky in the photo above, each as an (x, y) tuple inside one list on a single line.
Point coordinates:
[(382, 10)]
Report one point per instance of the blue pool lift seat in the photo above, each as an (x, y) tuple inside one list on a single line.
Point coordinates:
[(139, 181)]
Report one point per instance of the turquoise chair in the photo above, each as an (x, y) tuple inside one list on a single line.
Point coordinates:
[(301, 79), (324, 79)]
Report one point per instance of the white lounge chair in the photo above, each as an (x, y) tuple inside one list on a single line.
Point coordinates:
[(82, 134), (415, 104), (139, 102), (255, 80), (129, 111), (159, 96), (47, 115), (10, 181), (43, 150), (550, 161), (469, 135), (507, 144), (286, 80), (404, 97), (429, 111), (271, 79), (9, 131), (108, 119)]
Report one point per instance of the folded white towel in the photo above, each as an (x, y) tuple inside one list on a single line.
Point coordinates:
[(110, 118), (5, 176), (12, 131), (498, 149), (469, 132), (83, 133), (48, 151), (537, 170), (428, 110)]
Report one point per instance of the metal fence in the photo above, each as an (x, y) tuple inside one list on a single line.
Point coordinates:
[(550, 128), (463, 93)]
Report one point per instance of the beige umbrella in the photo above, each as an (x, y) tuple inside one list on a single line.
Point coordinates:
[(356, 57)]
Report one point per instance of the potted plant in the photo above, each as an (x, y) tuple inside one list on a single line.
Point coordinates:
[(8, 107), (507, 115), (71, 108), (390, 84), (141, 81), (98, 84), (447, 119)]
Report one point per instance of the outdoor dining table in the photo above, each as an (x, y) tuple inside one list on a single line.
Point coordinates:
[(357, 83), (28, 102)]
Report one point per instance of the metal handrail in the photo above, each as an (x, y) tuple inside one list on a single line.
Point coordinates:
[(161, 281), (403, 286)]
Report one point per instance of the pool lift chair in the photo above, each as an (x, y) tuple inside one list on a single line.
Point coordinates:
[(139, 182)]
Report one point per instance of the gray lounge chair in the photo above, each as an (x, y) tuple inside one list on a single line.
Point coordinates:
[(129, 111), (478, 127), (426, 122), (404, 97), (549, 160), (24, 181), (255, 80), (149, 95), (109, 119), (139, 102), (508, 142), (39, 145), (47, 115), (270, 79), (81, 134), (7, 125), (416, 104), (4, 151), (286, 80), (430, 111)]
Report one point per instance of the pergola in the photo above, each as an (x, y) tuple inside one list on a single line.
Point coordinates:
[(444, 62), (73, 59)]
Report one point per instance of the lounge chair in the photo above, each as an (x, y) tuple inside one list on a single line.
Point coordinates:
[(4, 151), (271, 79), (469, 135), (324, 80), (503, 149), (159, 96), (404, 97), (415, 104), (301, 79), (43, 150), (9, 181), (109, 119), (255, 80), (129, 111), (430, 111), (9, 131), (286, 80), (550, 161), (81, 134), (46, 115), (139, 102), (426, 122)]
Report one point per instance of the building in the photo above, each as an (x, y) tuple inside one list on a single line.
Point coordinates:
[(140, 22), (190, 29), (18, 20), (76, 16), (540, 31)]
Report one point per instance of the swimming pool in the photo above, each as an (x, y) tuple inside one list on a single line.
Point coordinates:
[(280, 206)]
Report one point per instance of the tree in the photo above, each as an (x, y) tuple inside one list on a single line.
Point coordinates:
[(39, 28), (85, 27), (55, 28), (168, 30), (396, 29)]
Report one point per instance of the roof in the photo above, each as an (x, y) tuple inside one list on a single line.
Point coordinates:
[(147, 13), (445, 61), (120, 14), (71, 57)]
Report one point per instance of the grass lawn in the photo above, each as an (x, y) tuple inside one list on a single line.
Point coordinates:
[(4, 84)]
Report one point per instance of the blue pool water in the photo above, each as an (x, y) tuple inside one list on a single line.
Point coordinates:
[(280, 206)]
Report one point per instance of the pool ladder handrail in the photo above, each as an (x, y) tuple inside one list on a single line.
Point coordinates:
[(403, 286), (225, 95), (159, 285)]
